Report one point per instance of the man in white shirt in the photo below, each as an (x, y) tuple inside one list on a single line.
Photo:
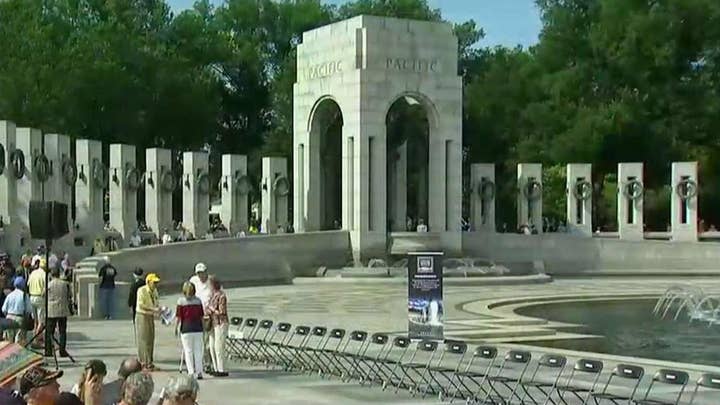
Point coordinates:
[(203, 290), (166, 238), (421, 226), (135, 240)]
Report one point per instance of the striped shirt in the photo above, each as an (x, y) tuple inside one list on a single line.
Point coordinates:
[(190, 314)]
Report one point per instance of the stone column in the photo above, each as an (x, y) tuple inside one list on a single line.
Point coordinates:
[(8, 190), (579, 198), (89, 190), (196, 193), (235, 187), (275, 188), (29, 187), (398, 188), (57, 187), (630, 201), (159, 185), (683, 202), (124, 182), (529, 203), (482, 199)]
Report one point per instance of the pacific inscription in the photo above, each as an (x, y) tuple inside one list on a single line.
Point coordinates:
[(323, 70), (412, 65)]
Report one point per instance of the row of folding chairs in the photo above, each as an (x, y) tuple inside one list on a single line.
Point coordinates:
[(451, 371)]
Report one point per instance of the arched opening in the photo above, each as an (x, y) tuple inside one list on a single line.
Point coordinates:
[(408, 131), (326, 133)]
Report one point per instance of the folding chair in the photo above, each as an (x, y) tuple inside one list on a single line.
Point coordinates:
[(387, 369), (326, 357), (582, 367), (666, 377), (471, 382), (507, 382), (348, 357), (378, 342), (415, 371), (237, 338), (709, 381), (315, 342), (621, 371), (443, 375), (272, 347), (255, 343), (294, 345), (545, 385)]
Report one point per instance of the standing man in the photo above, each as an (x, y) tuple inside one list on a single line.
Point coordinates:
[(146, 309), (107, 290), (16, 306), (36, 289), (138, 281), (59, 301), (203, 290)]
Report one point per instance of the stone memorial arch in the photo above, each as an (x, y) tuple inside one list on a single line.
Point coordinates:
[(377, 103)]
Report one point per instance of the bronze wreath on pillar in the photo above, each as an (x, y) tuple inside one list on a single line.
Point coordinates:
[(582, 190), (532, 190), (100, 174), (132, 177), (41, 167), (686, 189), (168, 182), (69, 171), (486, 190), (17, 163), (203, 183), (281, 186), (242, 184), (633, 190)]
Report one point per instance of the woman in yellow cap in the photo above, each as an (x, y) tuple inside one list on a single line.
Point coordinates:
[(145, 310)]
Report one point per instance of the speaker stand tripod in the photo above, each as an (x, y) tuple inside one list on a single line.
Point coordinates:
[(50, 339)]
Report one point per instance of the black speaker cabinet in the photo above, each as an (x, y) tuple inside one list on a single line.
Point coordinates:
[(48, 219)]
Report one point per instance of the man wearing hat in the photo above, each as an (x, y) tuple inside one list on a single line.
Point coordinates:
[(203, 290), (16, 306), (138, 281), (146, 309), (39, 386)]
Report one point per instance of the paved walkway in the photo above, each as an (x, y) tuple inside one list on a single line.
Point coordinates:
[(375, 307)]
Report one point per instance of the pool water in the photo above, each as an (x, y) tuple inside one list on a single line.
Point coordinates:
[(630, 329)]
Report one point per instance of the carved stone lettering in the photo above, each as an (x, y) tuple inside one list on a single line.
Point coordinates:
[(325, 69), (412, 65)]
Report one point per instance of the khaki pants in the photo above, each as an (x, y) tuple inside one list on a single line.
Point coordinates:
[(217, 346), (207, 331), (145, 330)]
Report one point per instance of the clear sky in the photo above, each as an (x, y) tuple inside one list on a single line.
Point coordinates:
[(506, 22)]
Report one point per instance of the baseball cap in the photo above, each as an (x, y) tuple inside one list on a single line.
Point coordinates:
[(19, 282), (152, 277), (200, 268), (37, 377)]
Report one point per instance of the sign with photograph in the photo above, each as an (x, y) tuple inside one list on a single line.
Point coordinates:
[(425, 295)]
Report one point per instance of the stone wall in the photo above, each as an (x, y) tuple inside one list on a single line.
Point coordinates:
[(569, 254), (262, 259)]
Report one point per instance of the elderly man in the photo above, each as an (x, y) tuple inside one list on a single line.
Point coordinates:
[(137, 389), (180, 390), (39, 386), (147, 307), (15, 308), (36, 289), (138, 281), (112, 391), (59, 304)]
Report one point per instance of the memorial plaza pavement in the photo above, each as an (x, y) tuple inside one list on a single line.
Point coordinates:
[(373, 305)]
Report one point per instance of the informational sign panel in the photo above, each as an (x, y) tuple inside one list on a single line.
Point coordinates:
[(425, 295)]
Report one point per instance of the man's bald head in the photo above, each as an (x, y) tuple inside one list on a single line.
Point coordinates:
[(129, 366)]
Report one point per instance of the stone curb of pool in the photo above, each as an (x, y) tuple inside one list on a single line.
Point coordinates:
[(503, 310)]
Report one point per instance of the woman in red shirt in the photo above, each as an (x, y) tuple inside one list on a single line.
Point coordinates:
[(189, 325)]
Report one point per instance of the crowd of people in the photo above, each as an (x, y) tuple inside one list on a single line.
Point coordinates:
[(23, 291), (133, 386)]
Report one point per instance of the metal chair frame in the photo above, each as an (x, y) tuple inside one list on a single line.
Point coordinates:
[(470, 382), (585, 366), (707, 380), (493, 395), (622, 371), (548, 361)]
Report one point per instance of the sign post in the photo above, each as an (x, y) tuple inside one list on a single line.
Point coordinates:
[(425, 295)]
